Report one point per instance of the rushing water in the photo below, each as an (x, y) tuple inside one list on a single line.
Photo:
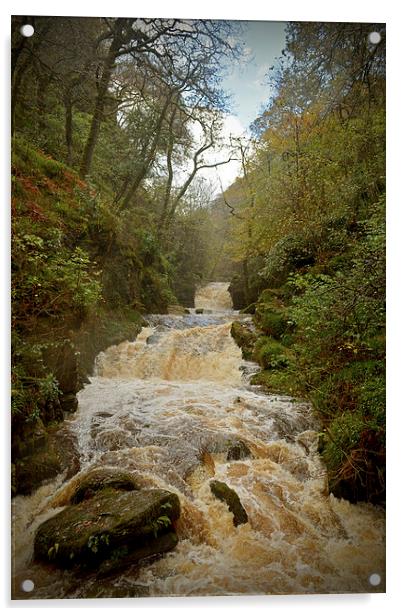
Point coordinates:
[(163, 407)]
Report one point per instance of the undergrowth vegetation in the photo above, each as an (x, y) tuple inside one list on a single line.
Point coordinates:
[(309, 223)]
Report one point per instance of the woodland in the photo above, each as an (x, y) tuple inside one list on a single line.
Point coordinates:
[(112, 124)]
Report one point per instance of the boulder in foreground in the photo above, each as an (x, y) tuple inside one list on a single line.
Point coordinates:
[(98, 479), (111, 526)]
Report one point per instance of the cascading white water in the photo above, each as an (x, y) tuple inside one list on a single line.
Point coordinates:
[(214, 297), (163, 407)]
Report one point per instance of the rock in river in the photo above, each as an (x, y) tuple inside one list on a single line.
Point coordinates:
[(111, 526), (98, 479), (238, 451), (229, 496)]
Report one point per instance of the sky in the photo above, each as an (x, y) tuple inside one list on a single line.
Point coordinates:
[(263, 42), (246, 81)]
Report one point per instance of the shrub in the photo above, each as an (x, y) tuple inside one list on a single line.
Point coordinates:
[(278, 381), (270, 353), (346, 389), (271, 321)]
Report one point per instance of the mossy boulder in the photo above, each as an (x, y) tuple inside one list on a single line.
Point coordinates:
[(271, 321), (55, 452), (270, 353), (111, 526), (270, 314), (98, 479), (229, 496), (34, 470), (102, 588), (32, 437), (245, 337)]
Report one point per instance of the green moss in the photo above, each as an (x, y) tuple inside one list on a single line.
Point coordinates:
[(278, 381), (359, 385), (34, 162), (272, 321), (245, 337), (272, 297), (33, 470), (270, 353), (352, 404), (354, 453), (97, 529), (271, 314), (99, 479), (342, 435)]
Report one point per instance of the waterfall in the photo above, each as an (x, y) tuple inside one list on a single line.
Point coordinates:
[(165, 407)]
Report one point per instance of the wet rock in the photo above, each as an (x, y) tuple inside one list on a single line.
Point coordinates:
[(235, 449), (176, 309), (34, 470), (63, 361), (69, 403), (57, 453), (109, 590), (98, 479), (245, 337), (237, 292), (122, 559), (238, 451), (154, 338), (51, 411), (229, 496), (111, 526), (32, 438)]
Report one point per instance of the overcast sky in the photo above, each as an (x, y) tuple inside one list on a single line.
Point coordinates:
[(247, 83), (263, 42)]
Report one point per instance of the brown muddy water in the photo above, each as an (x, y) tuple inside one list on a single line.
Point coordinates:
[(161, 407)]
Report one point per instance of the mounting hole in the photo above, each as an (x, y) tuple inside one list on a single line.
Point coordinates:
[(374, 38), (27, 30), (27, 585), (374, 579)]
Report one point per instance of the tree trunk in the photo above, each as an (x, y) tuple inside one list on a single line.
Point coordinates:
[(43, 85), (169, 183), (149, 158), (14, 94), (98, 112), (69, 128)]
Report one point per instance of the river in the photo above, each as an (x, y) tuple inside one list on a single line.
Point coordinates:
[(163, 406)]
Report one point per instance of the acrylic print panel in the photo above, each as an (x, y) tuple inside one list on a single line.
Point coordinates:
[(198, 307)]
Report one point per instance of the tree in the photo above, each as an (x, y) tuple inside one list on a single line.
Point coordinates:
[(174, 51)]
